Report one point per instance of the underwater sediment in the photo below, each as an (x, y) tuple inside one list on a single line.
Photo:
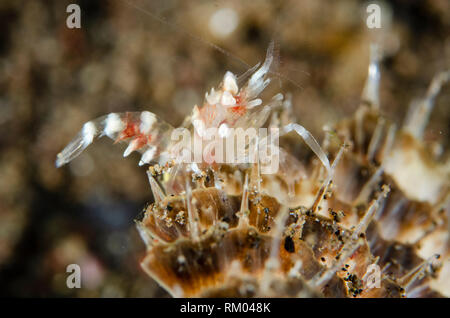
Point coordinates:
[(373, 223)]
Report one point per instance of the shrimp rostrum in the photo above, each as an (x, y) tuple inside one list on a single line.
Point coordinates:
[(235, 104)]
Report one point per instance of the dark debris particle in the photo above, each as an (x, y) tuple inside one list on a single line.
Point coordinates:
[(289, 244)]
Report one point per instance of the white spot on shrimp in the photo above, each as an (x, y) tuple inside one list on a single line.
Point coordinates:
[(89, 131), (113, 125), (228, 99), (147, 121), (147, 156), (213, 97), (131, 147), (229, 83)]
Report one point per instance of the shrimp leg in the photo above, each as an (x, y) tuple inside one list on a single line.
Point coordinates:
[(143, 131)]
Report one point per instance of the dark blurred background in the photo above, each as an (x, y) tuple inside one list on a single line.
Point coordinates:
[(158, 55)]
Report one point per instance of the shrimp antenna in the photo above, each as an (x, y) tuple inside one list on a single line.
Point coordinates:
[(208, 43), (196, 37)]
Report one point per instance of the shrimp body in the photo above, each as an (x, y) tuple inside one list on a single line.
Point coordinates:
[(226, 107)]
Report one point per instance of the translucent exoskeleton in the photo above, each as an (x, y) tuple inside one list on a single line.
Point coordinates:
[(235, 103)]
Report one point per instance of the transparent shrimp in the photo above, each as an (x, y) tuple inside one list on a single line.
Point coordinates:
[(225, 107)]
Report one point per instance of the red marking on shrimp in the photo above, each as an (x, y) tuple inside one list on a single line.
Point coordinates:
[(238, 110), (132, 130), (142, 140)]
